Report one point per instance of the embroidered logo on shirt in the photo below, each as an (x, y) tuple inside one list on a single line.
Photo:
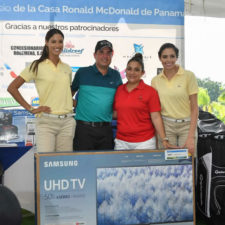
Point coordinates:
[(140, 98)]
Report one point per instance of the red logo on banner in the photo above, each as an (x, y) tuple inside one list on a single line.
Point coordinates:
[(69, 45)]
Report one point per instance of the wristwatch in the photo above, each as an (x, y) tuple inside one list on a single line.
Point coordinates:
[(165, 139)]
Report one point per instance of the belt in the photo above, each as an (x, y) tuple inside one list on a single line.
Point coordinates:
[(176, 120), (63, 116), (94, 124)]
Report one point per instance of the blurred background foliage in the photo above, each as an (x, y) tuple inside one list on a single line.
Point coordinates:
[(211, 97)]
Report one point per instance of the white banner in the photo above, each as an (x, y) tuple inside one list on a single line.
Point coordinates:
[(131, 26)]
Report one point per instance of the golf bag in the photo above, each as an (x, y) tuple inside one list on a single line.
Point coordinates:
[(210, 187)]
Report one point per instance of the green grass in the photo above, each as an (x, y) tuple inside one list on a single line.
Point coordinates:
[(28, 218)]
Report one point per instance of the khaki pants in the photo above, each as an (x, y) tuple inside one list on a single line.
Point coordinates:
[(124, 145), (177, 133), (54, 134)]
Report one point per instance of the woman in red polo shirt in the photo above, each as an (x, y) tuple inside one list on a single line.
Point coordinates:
[(137, 109)]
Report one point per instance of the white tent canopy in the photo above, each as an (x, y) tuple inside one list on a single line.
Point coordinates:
[(209, 8)]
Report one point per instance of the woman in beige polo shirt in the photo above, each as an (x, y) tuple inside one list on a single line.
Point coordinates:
[(178, 90), (55, 124)]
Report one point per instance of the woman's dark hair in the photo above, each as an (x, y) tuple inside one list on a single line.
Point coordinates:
[(138, 58), (45, 53), (168, 45)]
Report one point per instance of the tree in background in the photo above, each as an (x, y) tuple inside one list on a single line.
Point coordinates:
[(204, 99), (214, 88), (221, 98), (211, 97)]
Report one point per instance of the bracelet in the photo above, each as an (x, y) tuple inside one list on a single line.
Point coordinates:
[(31, 109), (165, 139)]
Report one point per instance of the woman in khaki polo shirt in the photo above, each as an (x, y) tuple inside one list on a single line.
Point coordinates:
[(178, 90), (55, 124)]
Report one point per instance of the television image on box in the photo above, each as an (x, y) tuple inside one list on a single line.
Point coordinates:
[(161, 194), (8, 131)]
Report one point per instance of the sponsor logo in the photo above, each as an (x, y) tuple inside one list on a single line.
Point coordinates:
[(69, 45), (8, 102), (122, 72), (26, 50), (35, 101), (7, 68), (70, 50), (138, 48), (219, 172), (61, 163)]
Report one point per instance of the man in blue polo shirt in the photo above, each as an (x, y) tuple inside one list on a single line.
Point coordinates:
[(97, 85)]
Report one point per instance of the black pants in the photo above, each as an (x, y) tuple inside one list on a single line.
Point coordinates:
[(93, 138)]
